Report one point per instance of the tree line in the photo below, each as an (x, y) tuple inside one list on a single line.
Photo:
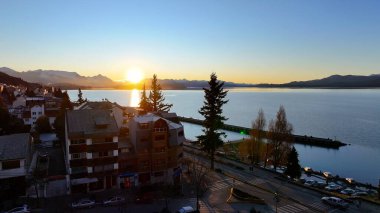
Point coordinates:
[(277, 149)]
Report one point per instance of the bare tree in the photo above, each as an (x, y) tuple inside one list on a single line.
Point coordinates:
[(258, 134), (198, 175), (280, 134)]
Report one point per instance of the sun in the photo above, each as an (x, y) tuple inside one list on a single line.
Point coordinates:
[(134, 75)]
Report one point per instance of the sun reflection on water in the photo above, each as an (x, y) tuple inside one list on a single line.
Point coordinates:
[(134, 98)]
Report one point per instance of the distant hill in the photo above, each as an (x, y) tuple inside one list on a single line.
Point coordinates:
[(334, 81), (60, 78), (10, 80)]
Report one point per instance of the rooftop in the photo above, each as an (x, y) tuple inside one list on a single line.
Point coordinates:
[(14, 146), (91, 122)]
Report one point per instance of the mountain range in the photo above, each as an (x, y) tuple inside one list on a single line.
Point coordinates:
[(72, 80), (334, 81)]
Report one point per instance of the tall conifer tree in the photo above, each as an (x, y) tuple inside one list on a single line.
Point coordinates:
[(156, 99), (214, 120), (144, 102)]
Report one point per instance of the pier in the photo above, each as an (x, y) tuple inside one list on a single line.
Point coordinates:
[(299, 139)]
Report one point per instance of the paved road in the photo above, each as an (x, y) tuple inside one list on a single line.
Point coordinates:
[(293, 198)]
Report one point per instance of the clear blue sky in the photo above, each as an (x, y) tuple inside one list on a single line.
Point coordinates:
[(243, 41)]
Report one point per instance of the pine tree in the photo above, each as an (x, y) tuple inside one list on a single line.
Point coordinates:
[(214, 120), (144, 102), (156, 99), (293, 168), (80, 97)]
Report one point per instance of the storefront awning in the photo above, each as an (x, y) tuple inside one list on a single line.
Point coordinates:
[(83, 181), (127, 174)]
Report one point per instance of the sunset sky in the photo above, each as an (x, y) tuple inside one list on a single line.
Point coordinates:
[(242, 41)]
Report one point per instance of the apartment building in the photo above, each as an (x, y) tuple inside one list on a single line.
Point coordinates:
[(91, 150), (14, 163), (157, 146)]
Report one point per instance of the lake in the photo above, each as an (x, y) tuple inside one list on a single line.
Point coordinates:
[(349, 115)]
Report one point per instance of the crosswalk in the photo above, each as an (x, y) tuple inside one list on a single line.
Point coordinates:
[(320, 206), (222, 184), (292, 208), (229, 182), (203, 207)]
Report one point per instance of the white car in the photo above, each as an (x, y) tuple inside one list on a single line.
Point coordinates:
[(83, 203), (334, 201), (333, 187), (21, 209), (308, 169), (185, 209), (327, 174), (114, 201)]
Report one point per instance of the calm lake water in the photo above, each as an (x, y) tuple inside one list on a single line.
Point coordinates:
[(351, 116)]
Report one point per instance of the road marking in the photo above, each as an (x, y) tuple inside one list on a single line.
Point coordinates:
[(319, 205), (291, 208)]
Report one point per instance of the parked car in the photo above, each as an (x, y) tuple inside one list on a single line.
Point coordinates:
[(310, 182), (356, 194), (333, 187), (84, 203), (334, 201), (113, 201), (350, 180), (319, 184), (327, 174), (347, 191), (308, 169), (186, 209), (21, 209)]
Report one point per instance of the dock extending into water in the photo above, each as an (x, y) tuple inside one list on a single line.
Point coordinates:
[(299, 139)]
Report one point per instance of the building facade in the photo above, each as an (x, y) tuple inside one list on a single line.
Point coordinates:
[(91, 150), (14, 162)]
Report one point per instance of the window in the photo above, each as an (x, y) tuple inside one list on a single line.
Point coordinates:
[(159, 137), (34, 113), (78, 141), (102, 154), (40, 113), (102, 168), (160, 129), (144, 125), (78, 155), (78, 170), (12, 164), (160, 149), (124, 150), (159, 174)]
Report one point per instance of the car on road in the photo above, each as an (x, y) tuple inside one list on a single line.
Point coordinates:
[(113, 201), (347, 191), (334, 201), (84, 203), (333, 187), (20, 209), (185, 209)]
